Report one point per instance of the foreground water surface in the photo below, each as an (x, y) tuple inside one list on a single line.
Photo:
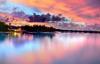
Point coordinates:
[(49, 48)]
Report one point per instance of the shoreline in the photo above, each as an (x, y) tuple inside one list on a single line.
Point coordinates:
[(78, 31), (57, 30)]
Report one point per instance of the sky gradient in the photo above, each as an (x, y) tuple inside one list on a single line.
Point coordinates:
[(78, 10)]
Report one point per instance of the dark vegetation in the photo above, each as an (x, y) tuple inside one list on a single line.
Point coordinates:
[(37, 28), (3, 27)]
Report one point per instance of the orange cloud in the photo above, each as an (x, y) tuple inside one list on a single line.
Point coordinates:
[(78, 10)]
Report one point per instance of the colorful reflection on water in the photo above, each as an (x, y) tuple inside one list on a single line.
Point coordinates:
[(49, 48)]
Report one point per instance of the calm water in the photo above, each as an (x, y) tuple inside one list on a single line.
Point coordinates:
[(51, 48)]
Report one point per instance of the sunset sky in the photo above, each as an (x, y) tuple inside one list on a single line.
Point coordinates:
[(78, 10)]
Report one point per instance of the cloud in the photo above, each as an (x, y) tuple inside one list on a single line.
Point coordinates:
[(94, 3), (11, 7), (3, 2), (79, 10)]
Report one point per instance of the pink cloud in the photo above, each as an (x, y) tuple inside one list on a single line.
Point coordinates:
[(78, 10)]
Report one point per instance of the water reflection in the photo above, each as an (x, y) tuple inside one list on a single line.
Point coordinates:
[(49, 48), (3, 36)]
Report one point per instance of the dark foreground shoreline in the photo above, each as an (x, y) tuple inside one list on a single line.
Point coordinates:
[(58, 30), (78, 31)]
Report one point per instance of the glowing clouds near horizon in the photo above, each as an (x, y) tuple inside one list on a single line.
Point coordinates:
[(78, 10)]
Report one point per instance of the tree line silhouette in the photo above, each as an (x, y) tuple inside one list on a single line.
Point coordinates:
[(37, 28), (3, 27), (34, 28), (46, 17)]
